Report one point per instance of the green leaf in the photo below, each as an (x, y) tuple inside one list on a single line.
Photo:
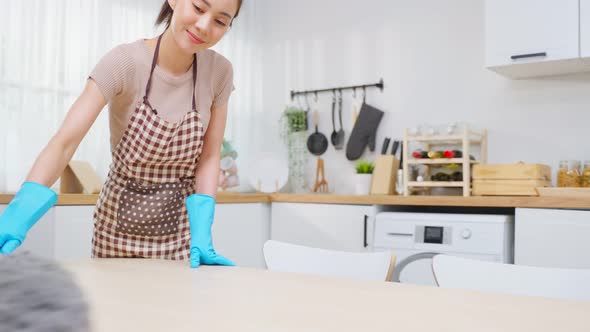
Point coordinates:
[(364, 167)]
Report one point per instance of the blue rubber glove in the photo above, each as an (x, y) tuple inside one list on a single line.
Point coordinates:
[(29, 204), (201, 209)]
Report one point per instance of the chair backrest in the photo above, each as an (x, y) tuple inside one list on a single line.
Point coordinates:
[(287, 257), (458, 272)]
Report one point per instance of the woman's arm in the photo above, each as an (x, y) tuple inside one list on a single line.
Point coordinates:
[(54, 158), (201, 206), (207, 176)]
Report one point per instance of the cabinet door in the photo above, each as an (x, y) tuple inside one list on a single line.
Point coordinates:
[(239, 232), (39, 240), (585, 28), (552, 238), (73, 232), (327, 226), (521, 31)]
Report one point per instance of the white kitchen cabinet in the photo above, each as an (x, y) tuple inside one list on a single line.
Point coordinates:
[(585, 29), (239, 232), (528, 38), (39, 240), (552, 238), (327, 226), (73, 232), (65, 233)]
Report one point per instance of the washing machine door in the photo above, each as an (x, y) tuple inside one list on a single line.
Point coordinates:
[(415, 269)]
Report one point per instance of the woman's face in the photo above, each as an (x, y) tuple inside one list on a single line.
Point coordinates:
[(199, 24)]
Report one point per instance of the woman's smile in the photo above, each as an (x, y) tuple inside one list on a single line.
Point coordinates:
[(194, 38)]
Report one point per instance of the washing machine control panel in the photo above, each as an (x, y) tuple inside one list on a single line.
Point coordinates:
[(433, 234), (469, 234)]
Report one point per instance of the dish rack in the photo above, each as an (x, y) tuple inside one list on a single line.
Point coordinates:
[(461, 138)]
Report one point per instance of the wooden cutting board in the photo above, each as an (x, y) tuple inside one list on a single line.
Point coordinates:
[(508, 187), (564, 192), (79, 177), (520, 171), (517, 179)]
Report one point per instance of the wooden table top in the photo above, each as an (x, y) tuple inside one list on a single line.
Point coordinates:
[(157, 295)]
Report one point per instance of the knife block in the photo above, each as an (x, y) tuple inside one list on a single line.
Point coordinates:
[(384, 175)]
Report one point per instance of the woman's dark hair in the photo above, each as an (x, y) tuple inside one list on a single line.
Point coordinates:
[(165, 15)]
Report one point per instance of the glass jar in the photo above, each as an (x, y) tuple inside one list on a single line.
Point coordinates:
[(562, 173), (574, 176), (586, 174)]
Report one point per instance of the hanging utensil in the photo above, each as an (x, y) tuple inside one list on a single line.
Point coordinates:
[(340, 136), (317, 143), (364, 95), (307, 111), (355, 107), (334, 136), (321, 185)]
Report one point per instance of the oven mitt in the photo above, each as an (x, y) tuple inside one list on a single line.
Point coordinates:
[(201, 209), (364, 132), (29, 204)]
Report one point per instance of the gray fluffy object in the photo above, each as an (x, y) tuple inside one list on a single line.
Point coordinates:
[(36, 294)]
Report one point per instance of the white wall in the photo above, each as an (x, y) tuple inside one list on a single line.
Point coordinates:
[(430, 54), (44, 66)]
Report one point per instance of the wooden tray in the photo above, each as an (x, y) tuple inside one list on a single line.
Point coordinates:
[(564, 192)]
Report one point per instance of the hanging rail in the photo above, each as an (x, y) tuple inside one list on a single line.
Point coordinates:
[(352, 87)]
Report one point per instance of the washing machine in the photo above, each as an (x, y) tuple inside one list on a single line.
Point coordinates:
[(417, 237)]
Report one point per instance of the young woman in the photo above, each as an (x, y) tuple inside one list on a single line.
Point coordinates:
[(167, 101)]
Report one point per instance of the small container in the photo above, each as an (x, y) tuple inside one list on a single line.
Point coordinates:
[(574, 175), (562, 173), (586, 174)]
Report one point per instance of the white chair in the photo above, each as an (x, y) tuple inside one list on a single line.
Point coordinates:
[(287, 257), (457, 272)]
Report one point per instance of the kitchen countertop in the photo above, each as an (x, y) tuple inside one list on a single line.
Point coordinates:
[(459, 201), (86, 199), (212, 298), (474, 201)]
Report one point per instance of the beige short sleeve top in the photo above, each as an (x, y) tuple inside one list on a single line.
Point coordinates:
[(122, 74)]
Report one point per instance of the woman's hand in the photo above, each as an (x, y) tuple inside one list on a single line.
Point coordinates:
[(201, 211)]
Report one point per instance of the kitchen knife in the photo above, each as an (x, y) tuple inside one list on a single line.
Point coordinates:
[(385, 145), (394, 147), (401, 156)]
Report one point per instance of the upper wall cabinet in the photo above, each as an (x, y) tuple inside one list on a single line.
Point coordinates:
[(531, 38), (585, 29)]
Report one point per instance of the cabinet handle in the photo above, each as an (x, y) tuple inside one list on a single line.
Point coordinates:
[(530, 55), (365, 244), (400, 234)]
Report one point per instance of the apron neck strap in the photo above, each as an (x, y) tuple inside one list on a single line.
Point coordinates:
[(155, 61), (194, 81)]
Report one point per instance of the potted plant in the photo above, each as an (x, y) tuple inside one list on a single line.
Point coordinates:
[(293, 124), (296, 119), (364, 172)]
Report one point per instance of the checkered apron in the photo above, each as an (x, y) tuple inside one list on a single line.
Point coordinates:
[(140, 211)]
